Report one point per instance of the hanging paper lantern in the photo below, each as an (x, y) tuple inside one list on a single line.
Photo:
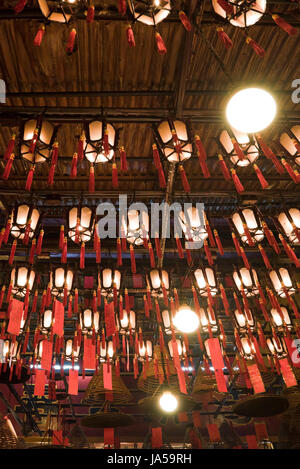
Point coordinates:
[(174, 140), (46, 321), (136, 227), (290, 140), (167, 321), (289, 221), (150, 12), (100, 142), (180, 347), (89, 321), (282, 282), (241, 148), (247, 348), (157, 280), (246, 280), (24, 220), (81, 224), (22, 279), (276, 347), (247, 222), (145, 351), (205, 281), (61, 281), (39, 351), (240, 13), (58, 11), (208, 321), (244, 320), (107, 352), (108, 279), (127, 324), (37, 139), (71, 351), (11, 350), (193, 224), (281, 323)]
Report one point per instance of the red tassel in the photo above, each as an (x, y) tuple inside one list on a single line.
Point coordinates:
[(161, 47), (74, 166), (32, 252), (114, 175), (256, 47), (40, 243), (289, 170), (161, 177), (80, 147), (20, 6), (123, 158), (238, 150), (82, 254), (12, 252), (265, 257), (185, 20), (224, 38), (238, 185), (208, 253), (10, 147), (71, 41), (64, 252), (127, 303), (39, 36), (290, 252), (157, 247), (156, 157), (61, 237), (157, 310), (179, 247), (130, 36), (184, 180), (269, 154), (188, 256), (264, 184), (248, 235), (219, 244), (122, 7), (92, 180), (29, 178), (151, 255), (245, 260), (1, 236), (225, 6), (51, 175), (119, 252), (2, 295), (8, 166), (90, 14), (236, 244), (224, 168), (288, 28), (132, 259)]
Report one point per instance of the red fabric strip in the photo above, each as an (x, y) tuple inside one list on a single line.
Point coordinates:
[(73, 382), (107, 377), (213, 431), (255, 378), (15, 317), (46, 360), (287, 373), (40, 381), (156, 440), (89, 358), (59, 313), (110, 324), (251, 442), (109, 437)]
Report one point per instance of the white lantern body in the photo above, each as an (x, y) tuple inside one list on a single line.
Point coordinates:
[(251, 219), (46, 321), (166, 319), (248, 349), (70, 352), (89, 321), (151, 12), (206, 320), (56, 13), (193, 224), (20, 217), (166, 144), (180, 347), (246, 280), (244, 320), (136, 227), (93, 148), (287, 220), (44, 142), (145, 350), (276, 348), (203, 277), (127, 323), (282, 281), (249, 147), (81, 224), (287, 140), (243, 16), (60, 278), (21, 278), (156, 280), (277, 321), (107, 279)]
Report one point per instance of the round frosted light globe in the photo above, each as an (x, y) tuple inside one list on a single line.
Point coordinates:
[(168, 402), (251, 110), (186, 320)]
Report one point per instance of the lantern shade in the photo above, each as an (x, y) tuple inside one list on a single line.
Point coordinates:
[(165, 141), (70, 352), (193, 224), (282, 281), (150, 12), (205, 276), (286, 220), (11, 350), (107, 278), (247, 143), (81, 224), (89, 321), (248, 216), (167, 322), (205, 319), (145, 350), (60, 13), (45, 139), (156, 279), (287, 140), (60, 278), (107, 352), (127, 323), (180, 347), (277, 321), (276, 347), (243, 321), (21, 278), (246, 280), (248, 350), (46, 321), (136, 227), (94, 141), (20, 217), (243, 14)]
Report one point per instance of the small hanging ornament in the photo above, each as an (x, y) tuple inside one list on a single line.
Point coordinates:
[(288, 28), (39, 36), (224, 168), (264, 184), (8, 166), (71, 41), (184, 180), (10, 147), (20, 6), (185, 20), (92, 180), (122, 7), (29, 178), (130, 36), (256, 47), (238, 185), (161, 47), (90, 14), (224, 38)]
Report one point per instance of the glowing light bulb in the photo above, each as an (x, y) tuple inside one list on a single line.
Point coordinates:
[(251, 110), (168, 402), (186, 320), (157, 3)]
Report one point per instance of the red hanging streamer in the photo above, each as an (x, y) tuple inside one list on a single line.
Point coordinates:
[(288, 28), (224, 168), (114, 176), (219, 243), (73, 173), (264, 184), (92, 180), (185, 20), (39, 36), (71, 41), (90, 14), (10, 147), (132, 260), (269, 154), (123, 159), (29, 178), (20, 6), (161, 47), (82, 254), (130, 36), (238, 185), (8, 166), (12, 252), (184, 180), (256, 47), (224, 38)]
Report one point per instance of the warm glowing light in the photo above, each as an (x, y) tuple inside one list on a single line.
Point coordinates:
[(186, 320), (251, 110), (168, 402)]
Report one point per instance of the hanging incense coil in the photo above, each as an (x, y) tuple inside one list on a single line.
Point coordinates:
[(239, 380), (261, 405), (8, 439), (149, 383), (97, 394), (107, 420), (204, 383), (293, 396)]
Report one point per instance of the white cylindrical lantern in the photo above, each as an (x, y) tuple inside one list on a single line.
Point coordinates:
[(24, 218), (166, 132), (276, 347), (89, 321), (59, 12), (46, 321), (145, 350), (244, 320), (290, 140), (282, 281), (81, 224), (156, 279), (248, 218), (107, 353), (248, 349), (11, 350), (127, 323), (167, 321), (94, 148), (71, 354), (180, 347), (289, 221), (247, 143), (21, 278), (278, 322), (107, 279), (204, 277), (244, 14), (206, 320), (45, 136), (150, 12), (246, 280), (193, 224), (136, 228), (59, 279)]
